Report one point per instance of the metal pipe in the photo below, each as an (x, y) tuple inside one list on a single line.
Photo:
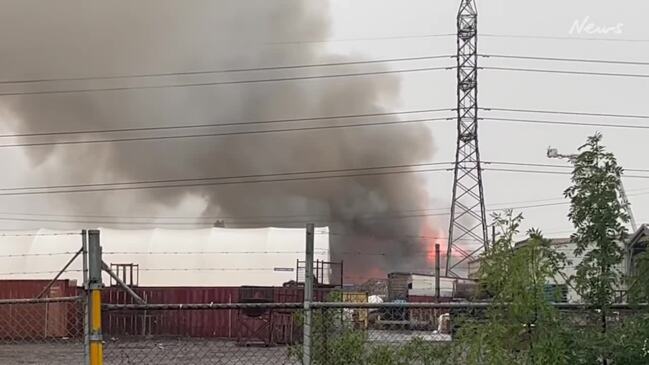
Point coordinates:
[(40, 300), (203, 306), (49, 285), (339, 305)]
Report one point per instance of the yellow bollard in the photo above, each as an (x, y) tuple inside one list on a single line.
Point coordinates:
[(96, 344)]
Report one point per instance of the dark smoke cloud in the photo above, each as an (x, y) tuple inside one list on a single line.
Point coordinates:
[(139, 37)]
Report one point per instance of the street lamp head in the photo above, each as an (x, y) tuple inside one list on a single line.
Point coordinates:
[(553, 153)]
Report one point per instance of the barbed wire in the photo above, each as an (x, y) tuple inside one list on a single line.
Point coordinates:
[(35, 272), (208, 252), (176, 269), (39, 234), (38, 254)]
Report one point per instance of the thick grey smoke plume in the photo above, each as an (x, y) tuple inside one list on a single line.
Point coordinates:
[(156, 36)]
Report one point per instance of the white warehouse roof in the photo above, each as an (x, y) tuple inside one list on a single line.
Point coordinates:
[(200, 257)]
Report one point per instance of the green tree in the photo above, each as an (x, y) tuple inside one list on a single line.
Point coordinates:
[(631, 340), (521, 325), (599, 218)]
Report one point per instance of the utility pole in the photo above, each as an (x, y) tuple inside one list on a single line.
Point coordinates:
[(624, 200), (468, 220)]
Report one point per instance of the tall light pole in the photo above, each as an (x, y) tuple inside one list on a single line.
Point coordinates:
[(554, 153)]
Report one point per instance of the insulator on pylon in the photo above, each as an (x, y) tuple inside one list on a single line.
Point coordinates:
[(468, 84), (467, 33)]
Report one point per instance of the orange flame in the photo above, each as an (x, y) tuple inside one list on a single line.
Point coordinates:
[(430, 236)]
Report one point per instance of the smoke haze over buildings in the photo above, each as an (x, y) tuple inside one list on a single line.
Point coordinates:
[(72, 38)]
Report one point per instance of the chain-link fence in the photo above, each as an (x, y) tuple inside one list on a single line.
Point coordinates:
[(201, 333), (273, 333), (42, 306), (41, 331)]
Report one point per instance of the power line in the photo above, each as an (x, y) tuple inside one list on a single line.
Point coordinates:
[(560, 59), (223, 124), (487, 35), (313, 219), (111, 186), (221, 134), (588, 73), (526, 164), (215, 183), (232, 70), (249, 223), (554, 172), (503, 206), (556, 122), (547, 165), (334, 40), (541, 111), (291, 173), (240, 218), (530, 171), (266, 222), (243, 218), (131, 185), (217, 83), (522, 36)]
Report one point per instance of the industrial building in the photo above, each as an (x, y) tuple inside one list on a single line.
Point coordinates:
[(406, 285), (559, 288)]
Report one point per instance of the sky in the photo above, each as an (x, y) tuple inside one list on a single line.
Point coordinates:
[(520, 142), (73, 38)]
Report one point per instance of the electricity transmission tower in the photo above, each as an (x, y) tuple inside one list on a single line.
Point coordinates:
[(468, 222)]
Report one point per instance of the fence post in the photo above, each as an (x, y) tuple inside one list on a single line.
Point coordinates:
[(308, 295), (437, 291), (94, 296), (86, 312)]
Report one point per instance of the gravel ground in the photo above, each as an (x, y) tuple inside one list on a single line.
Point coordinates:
[(168, 351), (56, 353), (158, 352), (192, 351)]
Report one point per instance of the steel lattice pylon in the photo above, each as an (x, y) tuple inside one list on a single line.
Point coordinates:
[(468, 221)]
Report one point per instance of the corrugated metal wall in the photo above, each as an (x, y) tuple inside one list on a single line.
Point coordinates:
[(199, 323), (39, 321)]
